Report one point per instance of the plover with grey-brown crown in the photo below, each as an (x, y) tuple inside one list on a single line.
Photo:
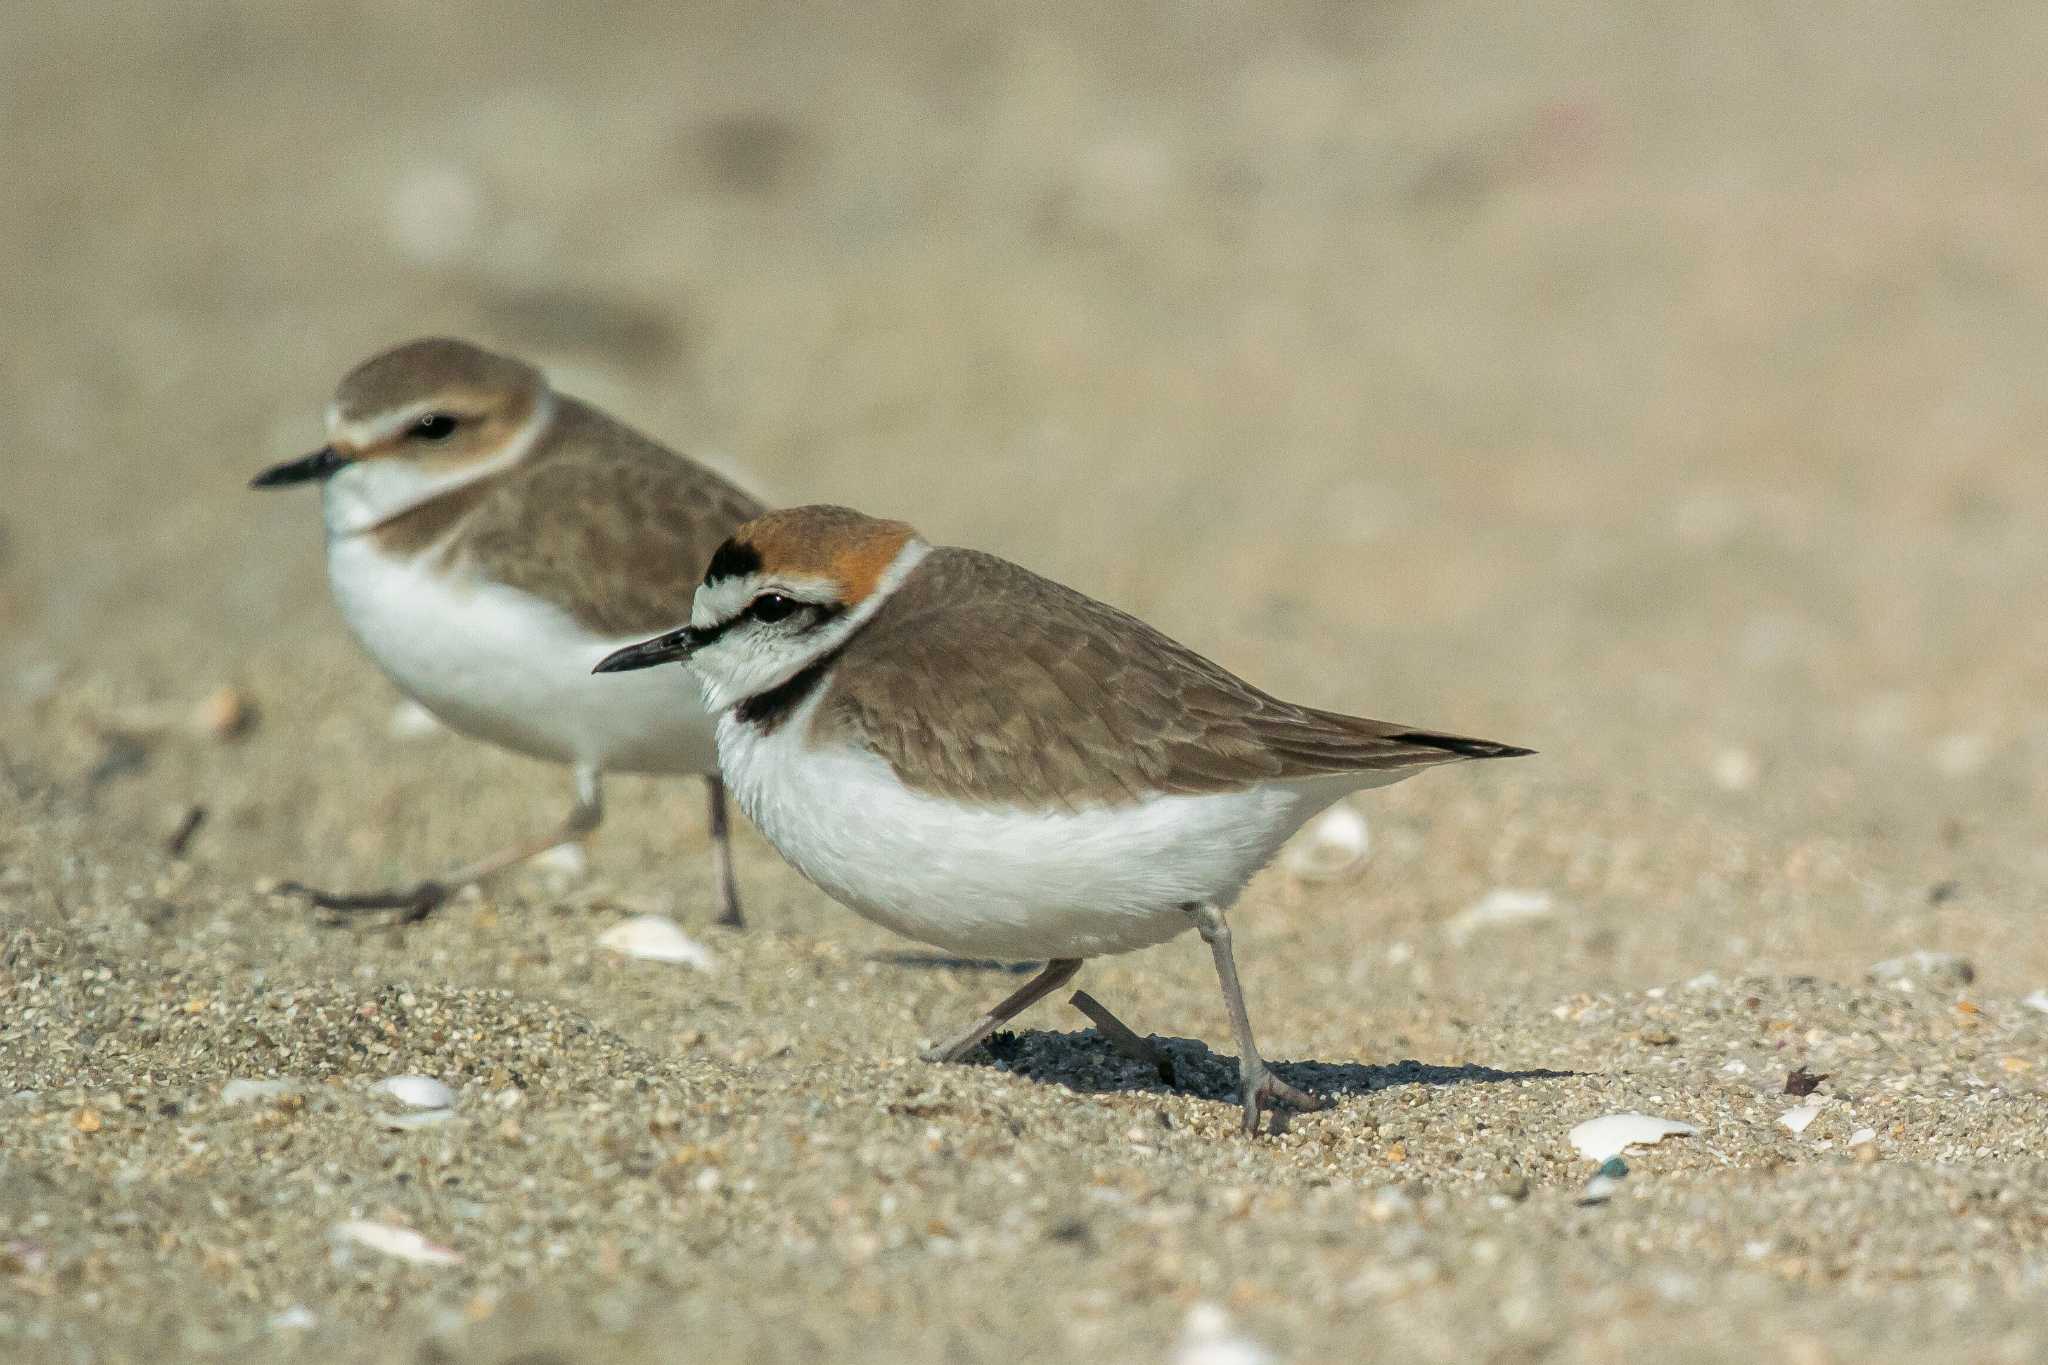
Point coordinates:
[(488, 540)]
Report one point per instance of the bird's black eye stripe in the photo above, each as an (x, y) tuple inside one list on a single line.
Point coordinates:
[(435, 426), (772, 606)]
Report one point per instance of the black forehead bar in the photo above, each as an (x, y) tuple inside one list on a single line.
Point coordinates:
[(735, 559)]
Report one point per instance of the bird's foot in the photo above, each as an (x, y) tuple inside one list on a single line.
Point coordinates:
[(1265, 1091)]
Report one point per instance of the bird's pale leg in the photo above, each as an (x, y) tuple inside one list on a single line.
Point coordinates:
[(421, 900), (721, 855), (1057, 973), (1120, 1036), (1261, 1089)]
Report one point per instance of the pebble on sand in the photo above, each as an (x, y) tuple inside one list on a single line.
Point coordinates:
[(434, 213), (243, 1089), (1948, 970), (1735, 770), (1208, 1339), (566, 861), (1605, 1182), (226, 713), (1500, 906)]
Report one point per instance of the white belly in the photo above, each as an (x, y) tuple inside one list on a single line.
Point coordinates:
[(1004, 883), (506, 667)]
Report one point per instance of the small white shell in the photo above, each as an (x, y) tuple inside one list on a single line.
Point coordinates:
[(567, 861), (1735, 770), (1389, 1202), (1862, 1137), (1209, 1339), (2036, 1000), (1600, 1188), (1944, 971), (1612, 1134), (1335, 845), (1797, 1119), (434, 212), (417, 1092), (1502, 905), (656, 938), (390, 1239), (243, 1090), (1962, 754)]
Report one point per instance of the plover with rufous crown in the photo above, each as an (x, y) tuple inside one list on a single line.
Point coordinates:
[(981, 759), (488, 540)]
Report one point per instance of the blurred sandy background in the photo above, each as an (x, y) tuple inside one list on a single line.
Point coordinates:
[(1658, 386)]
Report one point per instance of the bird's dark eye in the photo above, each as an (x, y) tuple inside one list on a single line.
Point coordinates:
[(772, 606), (435, 426)]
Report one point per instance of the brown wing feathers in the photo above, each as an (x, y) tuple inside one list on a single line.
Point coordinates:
[(609, 525), (1048, 696)]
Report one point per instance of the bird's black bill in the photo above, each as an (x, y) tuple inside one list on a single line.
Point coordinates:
[(305, 469), (676, 645)]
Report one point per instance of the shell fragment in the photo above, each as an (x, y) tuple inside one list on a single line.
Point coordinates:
[(656, 938), (390, 1239), (1610, 1135), (1503, 905), (417, 1092)]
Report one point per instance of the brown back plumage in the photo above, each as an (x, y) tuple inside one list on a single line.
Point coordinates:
[(608, 525), (981, 681)]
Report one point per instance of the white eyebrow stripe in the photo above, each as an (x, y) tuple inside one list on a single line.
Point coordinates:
[(719, 602), (716, 604)]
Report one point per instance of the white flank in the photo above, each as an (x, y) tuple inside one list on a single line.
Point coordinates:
[(506, 667), (997, 881)]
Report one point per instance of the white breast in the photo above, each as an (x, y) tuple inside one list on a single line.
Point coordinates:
[(507, 667), (997, 882)]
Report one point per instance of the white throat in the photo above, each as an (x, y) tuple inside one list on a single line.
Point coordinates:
[(731, 670), (368, 493)]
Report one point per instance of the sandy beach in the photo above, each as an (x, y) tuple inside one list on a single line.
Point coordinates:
[(1659, 389)]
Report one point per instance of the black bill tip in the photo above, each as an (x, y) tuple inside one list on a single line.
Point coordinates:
[(1461, 745), (662, 649), (305, 469)]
